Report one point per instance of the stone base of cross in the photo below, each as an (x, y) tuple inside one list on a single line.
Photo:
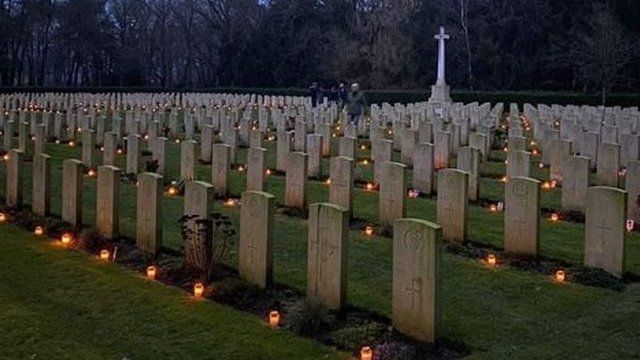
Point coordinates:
[(440, 98)]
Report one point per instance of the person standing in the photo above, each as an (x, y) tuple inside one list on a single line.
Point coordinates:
[(333, 95), (314, 92), (343, 95), (355, 104)]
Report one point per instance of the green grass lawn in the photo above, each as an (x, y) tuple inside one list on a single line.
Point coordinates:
[(498, 313), (59, 304)]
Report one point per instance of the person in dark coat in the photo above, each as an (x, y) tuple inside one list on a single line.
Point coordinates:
[(343, 96), (333, 95), (315, 93)]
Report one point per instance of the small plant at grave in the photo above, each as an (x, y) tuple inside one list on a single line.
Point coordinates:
[(91, 241), (224, 234), (386, 230), (236, 292), (152, 166), (307, 317), (22, 218), (201, 252), (467, 249), (165, 131), (596, 277), (355, 337), (128, 178), (395, 350), (573, 216), (29, 221), (54, 228)]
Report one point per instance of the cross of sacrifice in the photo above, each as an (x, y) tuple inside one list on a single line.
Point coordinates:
[(441, 37)]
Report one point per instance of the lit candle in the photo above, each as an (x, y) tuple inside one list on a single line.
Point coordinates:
[(366, 353), (328, 181), (368, 230), (491, 260), (71, 144), (369, 187), (268, 172), (504, 179), (172, 191), (554, 217), (66, 239), (560, 276), (198, 290), (240, 168), (274, 319), (229, 203), (91, 173), (493, 207), (39, 230), (151, 272), (5, 157), (104, 254), (630, 224), (3, 217)]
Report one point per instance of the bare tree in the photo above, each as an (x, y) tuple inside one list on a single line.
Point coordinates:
[(600, 50)]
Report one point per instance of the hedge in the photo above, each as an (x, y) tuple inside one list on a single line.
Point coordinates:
[(380, 96)]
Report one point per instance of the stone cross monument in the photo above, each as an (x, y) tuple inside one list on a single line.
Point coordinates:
[(440, 91)]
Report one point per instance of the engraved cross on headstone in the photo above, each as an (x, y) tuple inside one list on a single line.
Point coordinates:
[(415, 290), (602, 228)]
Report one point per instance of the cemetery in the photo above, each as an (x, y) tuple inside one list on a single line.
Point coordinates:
[(255, 225), (450, 243)]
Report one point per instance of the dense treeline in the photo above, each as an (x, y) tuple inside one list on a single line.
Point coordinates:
[(580, 46)]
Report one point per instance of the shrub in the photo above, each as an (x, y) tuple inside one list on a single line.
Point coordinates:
[(201, 252), (152, 165), (393, 350), (596, 277), (91, 241), (355, 337), (128, 178), (236, 292), (306, 317)]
